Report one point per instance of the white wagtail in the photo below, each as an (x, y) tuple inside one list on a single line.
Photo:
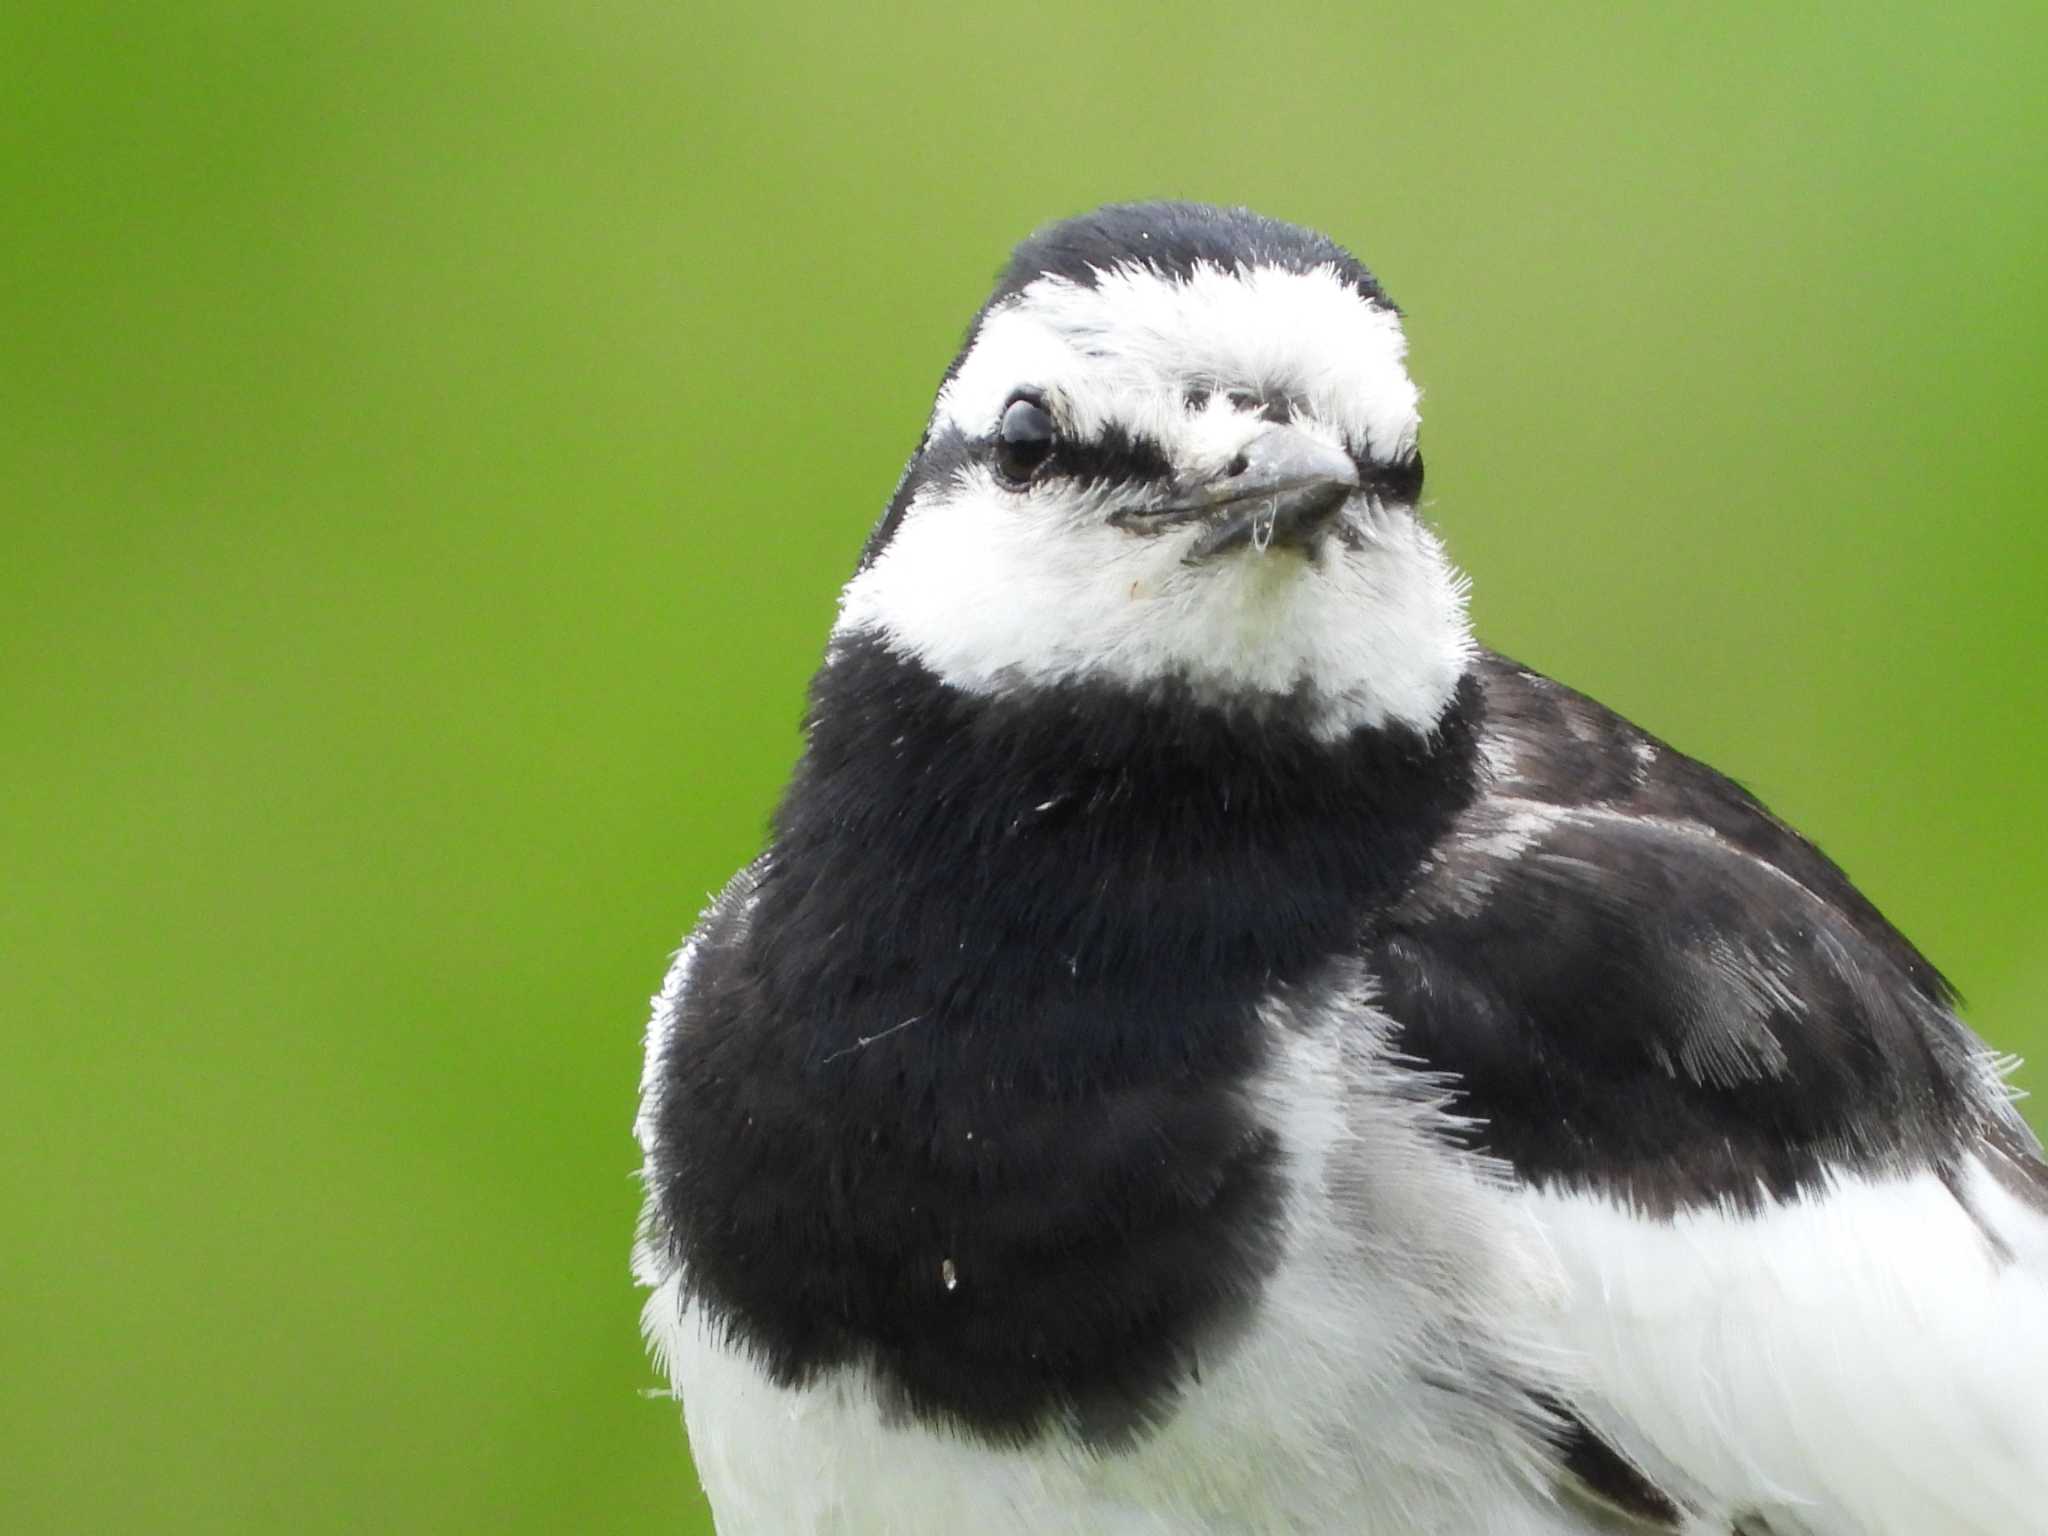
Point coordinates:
[(1210, 1048)]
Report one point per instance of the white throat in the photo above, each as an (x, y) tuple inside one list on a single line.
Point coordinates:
[(1368, 637)]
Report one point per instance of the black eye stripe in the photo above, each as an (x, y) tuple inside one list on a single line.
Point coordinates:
[(1116, 456), (1120, 458), (1397, 484)]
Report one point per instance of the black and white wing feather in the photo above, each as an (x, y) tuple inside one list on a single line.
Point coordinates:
[(1804, 1231)]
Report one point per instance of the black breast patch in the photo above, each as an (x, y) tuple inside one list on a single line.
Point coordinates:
[(961, 1093)]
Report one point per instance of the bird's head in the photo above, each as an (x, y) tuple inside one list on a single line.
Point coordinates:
[(1178, 450)]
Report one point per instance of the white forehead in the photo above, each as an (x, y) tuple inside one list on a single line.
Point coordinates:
[(1130, 347)]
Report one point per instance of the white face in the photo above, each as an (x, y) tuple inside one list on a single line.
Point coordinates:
[(989, 583)]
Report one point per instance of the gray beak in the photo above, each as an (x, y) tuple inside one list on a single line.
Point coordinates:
[(1284, 489)]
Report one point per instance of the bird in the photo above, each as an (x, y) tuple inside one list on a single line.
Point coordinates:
[(1209, 1047)]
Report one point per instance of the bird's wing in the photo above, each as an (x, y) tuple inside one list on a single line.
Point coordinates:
[(1803, 1231)]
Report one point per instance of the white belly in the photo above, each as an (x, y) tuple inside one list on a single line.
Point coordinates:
[(821, 1462)]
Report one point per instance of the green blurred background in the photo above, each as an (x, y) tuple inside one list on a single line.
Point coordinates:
[(431, 439)]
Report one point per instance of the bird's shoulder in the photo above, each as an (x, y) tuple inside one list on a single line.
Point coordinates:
[(1641, 980), (1785, 1186)]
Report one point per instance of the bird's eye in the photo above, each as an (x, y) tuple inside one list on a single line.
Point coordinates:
[(1024, 441)]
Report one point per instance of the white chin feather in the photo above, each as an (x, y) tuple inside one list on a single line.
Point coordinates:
[(989, 590)]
